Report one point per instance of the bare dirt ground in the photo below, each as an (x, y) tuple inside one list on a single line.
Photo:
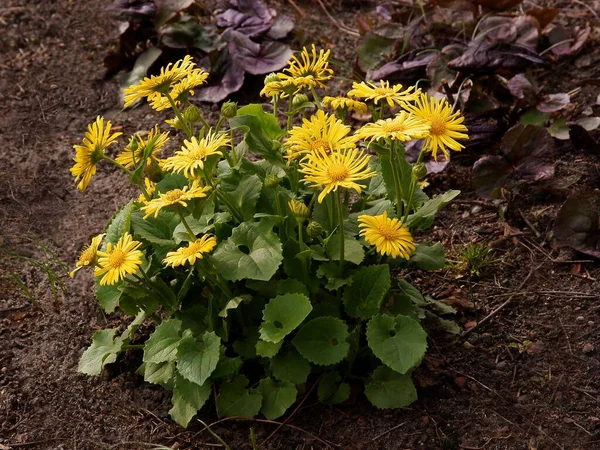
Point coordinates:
[(477, 392)]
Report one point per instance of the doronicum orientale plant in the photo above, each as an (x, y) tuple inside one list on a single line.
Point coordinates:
[(266, 256)]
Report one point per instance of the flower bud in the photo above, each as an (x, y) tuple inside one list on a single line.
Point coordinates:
[(191, 114), (300, 210), (314, 229), (229, 110), (299, 100), (271, 181), (271, 78), (419, 171)]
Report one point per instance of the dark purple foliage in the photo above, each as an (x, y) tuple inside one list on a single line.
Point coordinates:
[(578, 223), (258, 59)]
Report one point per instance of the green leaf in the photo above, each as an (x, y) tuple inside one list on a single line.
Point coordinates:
[(227, 367), (234, 303), (351, 225), (244, 194), (374, 50), (104, 350), (353, 250), (119, 224), (206, 223), (282, 315), (291, 286), (277, 397), (197, 359), (291, 367), (171, 181), (323, 340), (267, 349), (235, 400), (162, 345), (429, 257), (331, 272), (423, 218), (140, 69), (369, 288), (253, 251), (389, 389), (331, 389), (408, 290), (108, 296), (157, 230), (400, 342), (188, 398), (161, 373)]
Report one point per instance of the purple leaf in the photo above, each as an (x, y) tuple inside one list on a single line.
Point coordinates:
[(407, 67), (133, 9), (231, 81), (281, 27), (568, 42), (258, 59), (413, 148), (488, 58), (167, 9), (520, 87), (249, 17), (582, 139), (188, 34), (553, 102), (526, 156), (437, 69), (578, 223)]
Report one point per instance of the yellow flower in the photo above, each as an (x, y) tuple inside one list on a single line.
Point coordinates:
[(155, 85), (119, 260), (195, 250), (345, 103), (336, 169), (88, 255), (281, 88), (445, 126), (150, 188), (387, 235), (174, 197), (96, 140), (181, 90), (322, 131), (299, 210), (311, 71), (403, 127), (133, 153), (191, 157), (394, 95)]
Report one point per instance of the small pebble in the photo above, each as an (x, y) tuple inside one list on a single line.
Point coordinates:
[(588, 348), (580, 319), (476, 209), (502, 365), (468, 345)]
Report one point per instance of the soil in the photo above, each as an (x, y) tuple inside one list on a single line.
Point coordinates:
[(529, 378)]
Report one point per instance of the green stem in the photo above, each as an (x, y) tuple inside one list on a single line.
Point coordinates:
[(381, 111), (132, 346), (340, 206), (219, 123), (183, 122), (235, 212), (215, 435), (397, 186), (186, 225), (316, 98), (289, 113), (232, 153), (413, 185), (200, 117), (116, 164), (275, 105)]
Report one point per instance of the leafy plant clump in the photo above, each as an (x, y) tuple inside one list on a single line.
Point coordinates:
[(267, 257), (239, 37)]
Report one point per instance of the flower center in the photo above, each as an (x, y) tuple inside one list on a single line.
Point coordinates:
[(174, 195), (393, 127), (198, 153), (337, 172), (388, 232), (87, 256), (320, 143), (116, 259), (438, 127), (382, 91)]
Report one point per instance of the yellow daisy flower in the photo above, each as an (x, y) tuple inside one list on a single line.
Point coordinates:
[(181, 90), (155, 85), (299, 210), (394, 95), (119, 260), (88, 255), (311, 71), (174, 197), (345, 103), (195, 250), (150, 188), (96, 140), (445, 126), (387, 235), (191, 157), (336, 169), (322, 131), (133, 153), (281, 88), (403, 127)]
